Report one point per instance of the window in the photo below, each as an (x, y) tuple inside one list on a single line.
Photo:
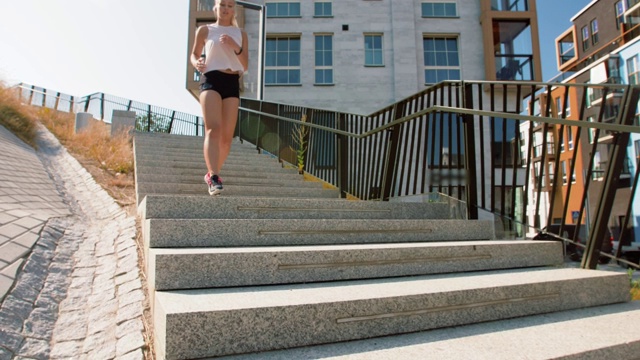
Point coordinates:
[(373, 50), (322, 9), (592, 131), (561, 139), (441, 59), (594, 31), (282, 61), (619, 6), (439, 9), (585, 38), (570, 139), (324, 59), (564, 172), (559, 106), (633, 70), (283, 9), (637, 147)]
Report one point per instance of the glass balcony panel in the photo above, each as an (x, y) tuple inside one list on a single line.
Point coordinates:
[(510, 5)]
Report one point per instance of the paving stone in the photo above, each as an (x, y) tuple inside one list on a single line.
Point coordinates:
[(66, 349), (129, 343), (129, 286), (17, 307), (27, 239), (11, 271), (10, 252), (128, 312), (5, 354), (35, 349), (10, 340), (128, 327)]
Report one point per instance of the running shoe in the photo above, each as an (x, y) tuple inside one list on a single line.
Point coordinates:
[(214, 183)]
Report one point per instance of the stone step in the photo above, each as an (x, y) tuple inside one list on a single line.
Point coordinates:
[(276, 232), (195, 164), (224, 207), (227, 171), (198, 180), (145, 189), (599, 332), (143, 145), (196, 268), (214, 322), (235, 158)]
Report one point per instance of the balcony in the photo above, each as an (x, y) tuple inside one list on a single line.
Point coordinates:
[(596, 95), (514, 67), (538, 151)]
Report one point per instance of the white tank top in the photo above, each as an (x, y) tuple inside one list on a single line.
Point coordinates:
[(218, 57)]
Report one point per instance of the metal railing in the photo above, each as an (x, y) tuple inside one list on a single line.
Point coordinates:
[(473, 141), (149, 117)]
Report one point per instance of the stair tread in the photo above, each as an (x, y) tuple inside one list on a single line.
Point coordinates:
[(601, 332), (212, 300)]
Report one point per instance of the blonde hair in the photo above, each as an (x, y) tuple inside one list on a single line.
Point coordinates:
[(234, 21)]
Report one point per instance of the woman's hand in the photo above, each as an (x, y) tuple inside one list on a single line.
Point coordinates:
[(200, 65), (228, 41)]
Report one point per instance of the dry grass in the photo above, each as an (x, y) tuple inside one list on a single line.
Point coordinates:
[(95, 142), (17, 118)]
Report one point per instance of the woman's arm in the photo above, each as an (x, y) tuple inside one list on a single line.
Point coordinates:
[(196, 53), (243, 53)]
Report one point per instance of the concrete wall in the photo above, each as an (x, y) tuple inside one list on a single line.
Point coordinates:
[(359, 89)]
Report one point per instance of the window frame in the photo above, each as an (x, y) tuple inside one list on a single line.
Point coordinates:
[(324, 2), (584, 34), (288, 15), (593, 26), (435, 16), (277, 67), (374, 51), (435, 66), (323, 67), (619, 9)]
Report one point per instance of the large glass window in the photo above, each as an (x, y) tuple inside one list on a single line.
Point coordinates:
[(322, 9), (513, 50), (441, 59), (594, 31), (585, 38), (373, 55), (283, 9), (439, 9), (282, 61), (324, 59)]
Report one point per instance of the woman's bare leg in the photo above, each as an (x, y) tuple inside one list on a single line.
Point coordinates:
[(213, 128), (227, 128)]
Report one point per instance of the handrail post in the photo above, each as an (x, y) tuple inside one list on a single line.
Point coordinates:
[(392, 153), (470, 154), (102, 106), (342, 156), (610, 184)]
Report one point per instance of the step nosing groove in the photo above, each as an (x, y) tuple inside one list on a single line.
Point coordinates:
[(382, 262), (282, 208), (358, 231), (447, 308)]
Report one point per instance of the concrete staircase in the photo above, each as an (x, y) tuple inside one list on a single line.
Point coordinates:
[(276, 262)]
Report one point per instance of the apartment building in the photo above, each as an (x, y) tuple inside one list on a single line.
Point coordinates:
[(358, 56), (600, 48)]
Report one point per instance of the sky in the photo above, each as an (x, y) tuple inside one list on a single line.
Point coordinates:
[(137, 49)]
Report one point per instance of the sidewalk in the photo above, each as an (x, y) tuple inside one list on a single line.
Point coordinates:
[(70, 284)]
